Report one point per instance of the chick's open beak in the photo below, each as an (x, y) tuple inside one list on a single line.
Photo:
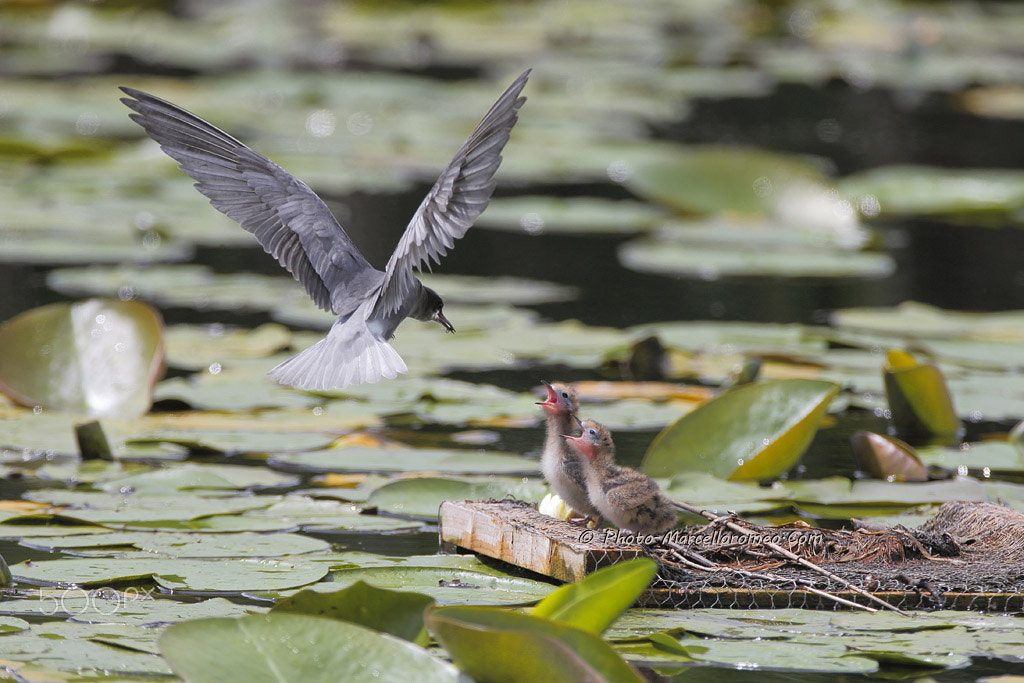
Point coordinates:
[(552, 396), (439, 317)]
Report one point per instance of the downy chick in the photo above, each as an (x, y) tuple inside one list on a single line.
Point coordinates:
[(561, 464), (628, 498)]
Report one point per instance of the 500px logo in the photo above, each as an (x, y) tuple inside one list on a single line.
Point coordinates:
[(97, 601)]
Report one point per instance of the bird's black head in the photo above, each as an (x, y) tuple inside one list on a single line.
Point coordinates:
[(433, 306)]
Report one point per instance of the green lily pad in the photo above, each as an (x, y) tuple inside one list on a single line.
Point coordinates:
[(294, 647), (98, 356), (829, 658), (197, 347), (186, 545), (709, 179), (446, 585), (326, 515), (994, 456), (668, 256), (192, 476), (422, 497), (229, 575), (595, 602), (923, 190), (408, 460), (79, 658), (755, 432), (472, 289), (573, 215), (481, 641), (189, 286), (399, 613)]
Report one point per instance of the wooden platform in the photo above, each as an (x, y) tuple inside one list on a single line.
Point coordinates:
[(516, 533), (980, 571)]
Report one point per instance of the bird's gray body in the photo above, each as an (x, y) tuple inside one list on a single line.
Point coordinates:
[(294, 225)]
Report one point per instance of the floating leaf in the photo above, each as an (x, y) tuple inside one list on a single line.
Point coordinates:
[(98, 356), (457, 461), (228, 575), (472, 289), (924, 190), (399, 613), (196, 347), (447, 585), (918, 398), (490, 645), (595, 602), (755, 432), (674, 257), (422, 497), (886, 457), (995, 456), (294, 647), (709, 179), (572, 215)]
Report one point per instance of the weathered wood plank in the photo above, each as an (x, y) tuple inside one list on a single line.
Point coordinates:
[(518, 534)]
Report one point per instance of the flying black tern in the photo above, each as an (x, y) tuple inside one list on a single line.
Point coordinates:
[(294, 225)]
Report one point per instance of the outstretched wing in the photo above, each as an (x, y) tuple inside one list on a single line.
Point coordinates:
[(288, 219), (460, 194)]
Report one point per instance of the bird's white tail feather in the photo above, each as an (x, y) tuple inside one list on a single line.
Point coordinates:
[(349, 354)]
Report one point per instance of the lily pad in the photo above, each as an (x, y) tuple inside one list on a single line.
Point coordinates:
[(456, 461), (755, 432), (994, 456), (197, 347), (593, 603), (227, 575), (472, 289), (919, 402), (98, 356), (399, 613), (709, 179), (671, 256), (481, 640), (294, 647), (448, 586), (924, 190), (885, 457), (573, 215), (422, 497)]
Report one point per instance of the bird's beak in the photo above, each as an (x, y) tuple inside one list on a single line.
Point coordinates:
[(580, 444), (552, 396), (439, 317), (578, 421)]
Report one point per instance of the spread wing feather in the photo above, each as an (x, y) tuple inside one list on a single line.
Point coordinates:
[(460, 194), (290, 221)]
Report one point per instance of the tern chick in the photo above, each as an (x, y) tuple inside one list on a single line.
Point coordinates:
[(629, 499), (561, 464)]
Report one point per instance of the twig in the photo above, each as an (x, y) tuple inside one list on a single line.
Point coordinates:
[(787, 554), (762, 575)]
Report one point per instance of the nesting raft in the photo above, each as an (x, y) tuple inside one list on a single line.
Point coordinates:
[(969, 557)]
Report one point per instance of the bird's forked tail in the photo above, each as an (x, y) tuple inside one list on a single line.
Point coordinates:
[(349, 354)]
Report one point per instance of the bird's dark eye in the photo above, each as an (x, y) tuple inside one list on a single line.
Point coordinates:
[(565, 394), (592, 432)]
